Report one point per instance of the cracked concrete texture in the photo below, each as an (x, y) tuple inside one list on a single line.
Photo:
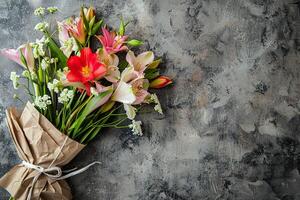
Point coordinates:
[(231, 124)]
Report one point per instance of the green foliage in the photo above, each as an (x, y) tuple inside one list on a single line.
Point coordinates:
[(86, 23), (96, 27), (122, 27), (135, 43), (154, 64), (88, 108), (56, 52), (151, 73)]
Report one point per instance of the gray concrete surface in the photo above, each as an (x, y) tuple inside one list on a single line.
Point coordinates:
[(232, 119)]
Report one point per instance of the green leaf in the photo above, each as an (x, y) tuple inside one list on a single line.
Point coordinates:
[(96, 27), (94, 103), (90, 107), (122, 27), (91, 24), (92, 133), (135, 43), (86, 23), (122, 65), (154, 64), (127, 24), (151, 73), (56, 52), (23, 60)]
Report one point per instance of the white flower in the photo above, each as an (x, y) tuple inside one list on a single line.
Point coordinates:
[(54, 86), (35, 52), (47, 40), (45, 63), (61, 74), (69, 46), (70, 94), (136, 127), (26, 73), (15, 79), (39, 11), (130, 111), (52, 9), (41, 26), (42, 102), (157, 107), (53, 60), (65, 96), (38, 48), (42, 40), (33, 76)]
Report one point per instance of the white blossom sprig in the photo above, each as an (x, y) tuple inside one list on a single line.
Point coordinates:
[(65, 96), (42, 102), (14, 77), (136, 128)]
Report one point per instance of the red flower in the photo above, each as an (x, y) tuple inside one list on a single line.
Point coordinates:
[(85, 68)]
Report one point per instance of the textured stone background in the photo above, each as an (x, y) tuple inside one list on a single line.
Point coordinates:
[(232, 119)]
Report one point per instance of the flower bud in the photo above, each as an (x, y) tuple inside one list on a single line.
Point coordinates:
[(89, 13), (160, 82)]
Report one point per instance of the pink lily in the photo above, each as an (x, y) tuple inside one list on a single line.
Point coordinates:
[(111, 42), (140, 87), (76, 28), (14, 55), (63, 34), (67, 43), (111, 62), (131, 88), (141, 61)]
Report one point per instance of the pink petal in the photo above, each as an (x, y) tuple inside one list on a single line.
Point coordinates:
[(100, 88), (140, 98), (124, 93), (130, 58), (113, 74), (28, 54), (129, 74), (145, 59), (63, 34), (11, 54), (115, 60), (108, 37)]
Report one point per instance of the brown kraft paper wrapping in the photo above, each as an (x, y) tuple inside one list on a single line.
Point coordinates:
[(38, 142)]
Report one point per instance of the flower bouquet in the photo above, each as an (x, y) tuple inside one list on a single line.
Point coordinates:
[(81, 78)]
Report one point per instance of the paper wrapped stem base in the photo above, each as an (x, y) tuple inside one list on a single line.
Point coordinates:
[(38, 142)]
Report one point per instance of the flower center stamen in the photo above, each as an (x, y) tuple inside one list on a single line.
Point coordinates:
[(86, 71)]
